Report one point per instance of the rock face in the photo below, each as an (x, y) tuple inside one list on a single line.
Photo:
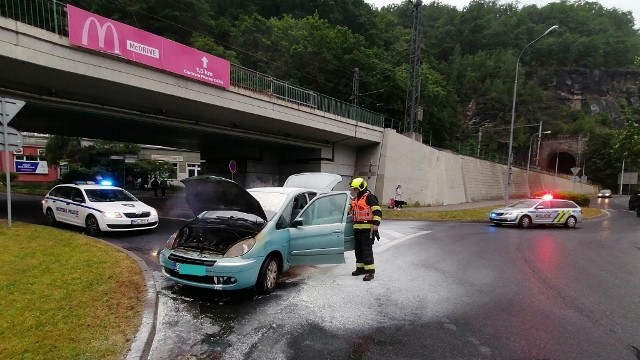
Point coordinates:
[(599, 91)]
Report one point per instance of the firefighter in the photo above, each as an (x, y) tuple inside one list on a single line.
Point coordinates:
[(367, 215)]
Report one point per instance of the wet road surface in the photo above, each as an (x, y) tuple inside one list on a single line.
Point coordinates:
[(442, 291)]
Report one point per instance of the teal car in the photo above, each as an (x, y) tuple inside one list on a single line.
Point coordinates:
[(246, 238)]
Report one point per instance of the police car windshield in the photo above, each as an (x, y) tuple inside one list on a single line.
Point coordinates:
[(108, 195), (524, 204)]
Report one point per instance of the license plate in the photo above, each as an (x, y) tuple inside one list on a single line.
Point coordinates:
[(188, 269), (140, 221)]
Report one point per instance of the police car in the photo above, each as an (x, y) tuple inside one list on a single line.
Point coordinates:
[(97, 208), (545, 210)]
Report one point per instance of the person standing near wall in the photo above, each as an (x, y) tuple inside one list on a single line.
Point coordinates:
[(398, 199), (367, 216)]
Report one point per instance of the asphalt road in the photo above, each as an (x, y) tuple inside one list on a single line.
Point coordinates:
[(442, 291)]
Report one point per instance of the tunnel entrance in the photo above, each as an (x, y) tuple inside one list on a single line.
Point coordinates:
[(564, 160)]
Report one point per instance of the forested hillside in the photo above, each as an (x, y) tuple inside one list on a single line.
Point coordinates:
[(468, 55)]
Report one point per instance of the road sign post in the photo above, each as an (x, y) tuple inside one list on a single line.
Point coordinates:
[(232, 168), (8, 109)]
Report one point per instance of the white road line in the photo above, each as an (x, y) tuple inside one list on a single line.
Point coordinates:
[(395, 234), (398, 241)]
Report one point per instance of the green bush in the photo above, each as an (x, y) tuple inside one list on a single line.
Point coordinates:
[(12, 177), (580, 199)]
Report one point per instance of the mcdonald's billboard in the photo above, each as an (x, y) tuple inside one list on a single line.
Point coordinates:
[(98, 33)]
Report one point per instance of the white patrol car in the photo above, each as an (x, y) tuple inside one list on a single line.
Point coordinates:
[(97, 208), (545, 210)]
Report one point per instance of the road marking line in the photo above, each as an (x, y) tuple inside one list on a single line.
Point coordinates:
[(394, 234), (398, 241)]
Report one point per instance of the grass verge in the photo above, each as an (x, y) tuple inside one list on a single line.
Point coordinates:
[(66, 296), (477, 214)]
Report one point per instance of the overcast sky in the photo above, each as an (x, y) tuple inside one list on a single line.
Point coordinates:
[(625, 5)]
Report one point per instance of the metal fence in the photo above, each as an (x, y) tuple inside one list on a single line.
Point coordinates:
[(274, 88), (49, 15)]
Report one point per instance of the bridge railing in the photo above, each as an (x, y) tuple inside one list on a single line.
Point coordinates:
[(51, 15)]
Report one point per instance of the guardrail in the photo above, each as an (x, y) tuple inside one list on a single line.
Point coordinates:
[(51, 15)]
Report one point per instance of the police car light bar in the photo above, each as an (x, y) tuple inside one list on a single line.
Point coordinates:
[(547, 197), (81, 182)]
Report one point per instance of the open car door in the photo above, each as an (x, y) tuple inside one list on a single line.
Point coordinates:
[(313, 181), (317, 235)]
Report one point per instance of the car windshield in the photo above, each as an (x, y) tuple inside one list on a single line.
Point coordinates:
[(271, 202), (524, 204), (108, 195), (605, 191)]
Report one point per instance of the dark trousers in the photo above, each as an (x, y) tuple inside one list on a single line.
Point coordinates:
[(163, 191), (364, 251), (155, 192)]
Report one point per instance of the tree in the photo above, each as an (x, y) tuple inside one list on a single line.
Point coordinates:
[(603, 161), (62, 148)]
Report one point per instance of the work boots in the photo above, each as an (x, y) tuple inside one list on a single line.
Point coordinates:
[(367, 277), (359, 271)]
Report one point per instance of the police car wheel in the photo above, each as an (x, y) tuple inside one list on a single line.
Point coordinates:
[(571, 222), (51, 217), (524, 222), (91, 224)]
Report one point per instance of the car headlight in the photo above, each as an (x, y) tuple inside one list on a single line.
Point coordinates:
[(240, 248), (172, 242), (154, 213), (111, 214)]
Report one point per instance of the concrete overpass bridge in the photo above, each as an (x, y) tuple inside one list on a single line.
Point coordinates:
[(260, 122)]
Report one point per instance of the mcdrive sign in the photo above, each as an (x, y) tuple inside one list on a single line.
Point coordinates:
[(98, 33)]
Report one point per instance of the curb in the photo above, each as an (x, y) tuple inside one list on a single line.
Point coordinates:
[(141, 345)]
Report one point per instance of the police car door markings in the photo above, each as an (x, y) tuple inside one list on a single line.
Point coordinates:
[(72, 203)]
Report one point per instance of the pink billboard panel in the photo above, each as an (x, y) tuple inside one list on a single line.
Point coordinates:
[(101, 34), (186, 61), (98, 33)]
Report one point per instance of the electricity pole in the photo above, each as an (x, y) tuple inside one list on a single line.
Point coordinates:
[(413, 113), (355, 96)]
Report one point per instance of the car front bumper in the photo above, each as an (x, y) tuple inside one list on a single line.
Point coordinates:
[(224, 274), (127, 224), (504, 219)]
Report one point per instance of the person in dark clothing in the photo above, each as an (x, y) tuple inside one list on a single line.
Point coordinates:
[(367, 216), (163, 187), (155, 185)]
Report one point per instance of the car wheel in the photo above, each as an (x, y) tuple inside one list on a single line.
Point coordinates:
[(524, 222), (268, 276), (571, 222), (51, 217), (632, 208), (91, 224)]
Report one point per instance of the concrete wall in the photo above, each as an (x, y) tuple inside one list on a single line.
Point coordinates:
[(433, 177)]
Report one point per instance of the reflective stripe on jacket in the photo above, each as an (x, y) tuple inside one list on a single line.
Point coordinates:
[(363, 214)]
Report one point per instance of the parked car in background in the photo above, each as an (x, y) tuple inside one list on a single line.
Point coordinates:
[(605, 193)]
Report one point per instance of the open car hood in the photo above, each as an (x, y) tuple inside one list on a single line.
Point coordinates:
[(212, 193), (313, 181)]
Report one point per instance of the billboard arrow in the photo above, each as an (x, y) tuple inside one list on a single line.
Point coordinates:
[(205, 62)]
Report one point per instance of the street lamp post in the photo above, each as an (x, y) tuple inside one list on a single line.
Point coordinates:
[(513, 116), (529, 158), (557, 158)]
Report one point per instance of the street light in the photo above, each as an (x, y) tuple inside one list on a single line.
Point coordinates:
[(529, 159), (513, 116)]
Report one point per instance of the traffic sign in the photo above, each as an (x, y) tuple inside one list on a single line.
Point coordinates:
[(10, 108), (584, 179), (232, 166), (575, 179), (575, 170), (16, 140)]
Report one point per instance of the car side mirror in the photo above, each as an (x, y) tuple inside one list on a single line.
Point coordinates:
[(539, 207), (297, 223)]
